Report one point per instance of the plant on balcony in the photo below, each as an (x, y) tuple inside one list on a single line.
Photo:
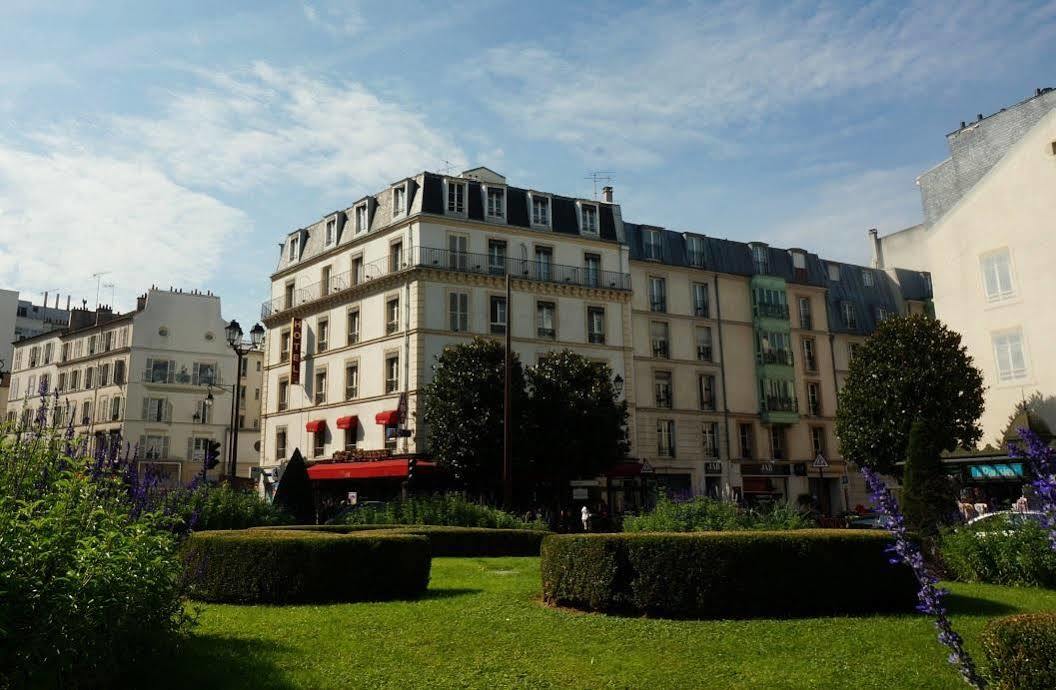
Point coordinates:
[(911, 368)]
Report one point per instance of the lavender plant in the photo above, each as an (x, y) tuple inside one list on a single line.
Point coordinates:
[(1041, 459), (931, 596)]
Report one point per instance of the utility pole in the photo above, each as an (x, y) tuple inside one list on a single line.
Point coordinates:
[(507, 464)]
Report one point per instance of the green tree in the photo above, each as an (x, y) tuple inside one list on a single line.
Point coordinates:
[(463, 408), (577, 422), (912, 368), (927, 493), (294, 492)]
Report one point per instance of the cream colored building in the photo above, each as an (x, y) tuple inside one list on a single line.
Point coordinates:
[(143, 376), (988, 240)]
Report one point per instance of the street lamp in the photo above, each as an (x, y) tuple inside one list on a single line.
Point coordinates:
[(617, 383), (233, 332), (201, 417)]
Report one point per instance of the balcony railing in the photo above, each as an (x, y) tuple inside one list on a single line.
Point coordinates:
[(663, 399), (704, 353), (660, 349), (773, 311), (774, 357), (461, 262), (780, 403)]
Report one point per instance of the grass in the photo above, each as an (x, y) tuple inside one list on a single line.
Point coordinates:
[(482, 625)]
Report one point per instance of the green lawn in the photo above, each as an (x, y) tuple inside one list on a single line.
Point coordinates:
[(482, 625)]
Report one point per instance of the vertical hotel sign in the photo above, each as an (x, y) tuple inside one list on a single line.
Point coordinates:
[(295, 351)]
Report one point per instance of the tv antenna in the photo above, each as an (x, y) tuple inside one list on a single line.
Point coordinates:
[(113, 293), (597, 176), (447, 167), (98, 284)]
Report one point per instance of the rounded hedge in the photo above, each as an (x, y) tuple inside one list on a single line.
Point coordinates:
[(1021, 651), (727, 574), (448, 541), (278, 566)]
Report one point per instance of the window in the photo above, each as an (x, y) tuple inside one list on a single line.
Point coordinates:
[(331, 232), (457, 246), (358, 272), (540, 210), (244, 368), (867, 278), (399, 200), (596, 325), (497, 257), (203, 412), (706, 383), (806, 318), (392, 373), (761, 258), (47, 352), (456, 197), (813, 399), (544, 260), (65, 352), (658, 339), (61, 386), (589, 215), (156, 410), (295, 243), (852, 350), (158, 371), (34, 356), (287, 298), (665, 438), (324, 283), (353, 326), (799, 261), (810, 358), (777, 443), (392, 315), (850, 316), (695, 251), (205, 373), (662, 388), (778, 395), (458, 311), (651, 245), (883, 313), (774, 348), (710, 433), (361, 219), (657, 294), (322, 335), (1011, 361), (280, 443), (545, 321), (44, 379), (89, 377), (75, 380), (104, 375), (497, 315), (496, 198), (591, 269), (817, 440), (320, 387), (744, 433), (704, 349), (834, 271), (700, 300), (319, 442), (997, 276), (351, 380), (284, 346), (155, 447), (395, 256), (31, 386), (284, 394), (770, 303)]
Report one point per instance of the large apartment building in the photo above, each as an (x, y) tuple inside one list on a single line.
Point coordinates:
[(987, 239), (145, 376), (731, 354)]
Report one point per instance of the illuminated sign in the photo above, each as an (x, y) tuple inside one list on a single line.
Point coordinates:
[(295, 351)]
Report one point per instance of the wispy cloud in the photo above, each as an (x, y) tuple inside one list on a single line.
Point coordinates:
[(338, 19), (653, 81)]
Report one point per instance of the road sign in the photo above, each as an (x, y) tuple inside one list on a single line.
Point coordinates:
[(353, 498), (820, 462)]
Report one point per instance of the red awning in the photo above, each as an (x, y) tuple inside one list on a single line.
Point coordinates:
[(390, 418), (315, 425), (625, 469), (381, 469), (348, 422)]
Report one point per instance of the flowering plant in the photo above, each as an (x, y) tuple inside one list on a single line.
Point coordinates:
[(1041, 459)]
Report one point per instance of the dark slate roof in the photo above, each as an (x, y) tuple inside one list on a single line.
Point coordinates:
[(915, 284), (867, 300), (517, 207), (433, 194)]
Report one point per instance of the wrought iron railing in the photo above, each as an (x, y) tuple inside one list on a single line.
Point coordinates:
[(771, 310), (780, 403), (774, 357)]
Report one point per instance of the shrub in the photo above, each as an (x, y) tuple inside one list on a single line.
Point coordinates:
[(89, 576), (452, 541), (279, 566), (710, 515), (727, 574), (451, 510), (1004, 554), (927, 492), (222, 506), (1021, 652)]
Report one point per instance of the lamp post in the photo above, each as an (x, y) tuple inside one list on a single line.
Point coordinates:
[(234, 339)]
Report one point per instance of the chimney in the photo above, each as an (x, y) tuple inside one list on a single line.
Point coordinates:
[(141, 302), (57, 300), (979, 117), (45, 299), (68, 298), (878, 249), (1037, 92), (606, 194)]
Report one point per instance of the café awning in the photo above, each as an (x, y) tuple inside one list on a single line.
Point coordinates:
[(348, 422), (315, 425), (390, 418), (624, 469), (381, 469)]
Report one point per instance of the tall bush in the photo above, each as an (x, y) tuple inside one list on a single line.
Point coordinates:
[(451, 510), (710, 515), (1002, 553), (927, 493), (222, 506)]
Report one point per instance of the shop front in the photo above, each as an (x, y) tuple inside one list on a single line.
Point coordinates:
[(764, 483)]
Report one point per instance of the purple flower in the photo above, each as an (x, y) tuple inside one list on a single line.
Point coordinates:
[(930, 597), (1041, 459)]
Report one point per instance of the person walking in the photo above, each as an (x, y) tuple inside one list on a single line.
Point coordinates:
[(585, 515)]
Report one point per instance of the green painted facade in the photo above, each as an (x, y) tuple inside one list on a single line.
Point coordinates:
[(774, 370)]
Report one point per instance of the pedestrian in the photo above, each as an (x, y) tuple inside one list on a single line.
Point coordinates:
[(585, 515)]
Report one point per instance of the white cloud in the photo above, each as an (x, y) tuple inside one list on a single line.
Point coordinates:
[(66, 216), (338, 19), (236, 131), (651, 81)]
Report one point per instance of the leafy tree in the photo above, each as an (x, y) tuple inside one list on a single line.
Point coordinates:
[(927, 493), (294, 492), (463, 406), (577, 422), (912, 368)]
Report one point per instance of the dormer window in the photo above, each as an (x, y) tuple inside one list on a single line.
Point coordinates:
[(695, 251), (799, 261), (496, 202), (867, 279), (834, 272), (540, 210), (589, 219), (362, 222), (761, 258), (456, 197), (331, 232), (651, 244), (399, 200), (295, 244)]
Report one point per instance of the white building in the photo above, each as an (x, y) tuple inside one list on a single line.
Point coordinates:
[(144, 375), (20, 318)]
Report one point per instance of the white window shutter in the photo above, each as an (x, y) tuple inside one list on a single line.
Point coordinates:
[(172, 371), (168, 411), (194, 373), (148, 371), (146, 408)]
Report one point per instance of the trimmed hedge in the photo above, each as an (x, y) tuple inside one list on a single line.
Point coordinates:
[(1021, 652), (449, 541), (727, 574), (278, 566)]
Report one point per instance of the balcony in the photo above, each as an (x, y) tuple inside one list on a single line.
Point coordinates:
[(663, 399), (704, 353), (783, 357), (771, 311), (780, 403), (658, 304), (459, 262), (660, 349)]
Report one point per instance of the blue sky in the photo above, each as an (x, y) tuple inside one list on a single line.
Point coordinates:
[(177, 143)]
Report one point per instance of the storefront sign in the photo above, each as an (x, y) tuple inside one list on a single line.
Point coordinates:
[(712, 468), (580, 494), (362, 455), (295, 351), (353, 498)]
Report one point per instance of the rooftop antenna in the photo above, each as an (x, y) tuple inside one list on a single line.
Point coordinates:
[(447, 167), (599, 176), (98, 284), (113, 293)]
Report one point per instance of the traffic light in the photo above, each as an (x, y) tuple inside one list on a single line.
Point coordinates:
[(212, 455), (412, 463)]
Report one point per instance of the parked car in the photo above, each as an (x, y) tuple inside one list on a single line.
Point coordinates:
[(870, 521), (987, 523)]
